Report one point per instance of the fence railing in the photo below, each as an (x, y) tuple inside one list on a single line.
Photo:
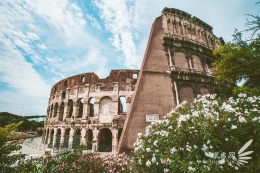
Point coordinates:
[(59, 149)]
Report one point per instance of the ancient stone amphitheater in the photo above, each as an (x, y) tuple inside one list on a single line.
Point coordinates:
[(106, 115)]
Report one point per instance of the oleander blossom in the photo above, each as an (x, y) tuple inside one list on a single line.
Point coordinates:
[(201, 135)]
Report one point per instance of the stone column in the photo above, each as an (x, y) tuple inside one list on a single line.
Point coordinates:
[(76, 90), (54, 137), (95, 138), (82, 137), (67, 93), (62, 136), (71, 137), (65, 111), (85, 109), (114, 140), (96, 107), (49, 137)]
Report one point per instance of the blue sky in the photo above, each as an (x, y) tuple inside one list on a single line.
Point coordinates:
[(44, 41)]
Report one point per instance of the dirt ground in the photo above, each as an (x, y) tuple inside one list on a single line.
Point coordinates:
[(21, 136)]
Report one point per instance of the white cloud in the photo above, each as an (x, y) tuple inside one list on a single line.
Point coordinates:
[(19, 74), (20, 104), (121, 19), (42, 46), (93, 21)]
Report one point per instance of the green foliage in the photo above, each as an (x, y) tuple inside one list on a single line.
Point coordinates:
[(8, 118), (7, 160), (191, 135), (238, 61)]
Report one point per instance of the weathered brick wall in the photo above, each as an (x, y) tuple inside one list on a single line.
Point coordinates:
[(153, 94)]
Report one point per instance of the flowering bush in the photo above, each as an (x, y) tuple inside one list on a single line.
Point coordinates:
[(76, 161), (208, 135)]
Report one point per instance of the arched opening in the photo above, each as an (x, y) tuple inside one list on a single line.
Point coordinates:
[(70, 108), (119, 133), (76, 139), (91, 102), (122, 105), (89, 139), (180, 61), (58, 136), (80, 108), (55, 110), (66, 138), (105, 140), (197, 63), (187, 94), (63, 95), (204, 90), (61, 113), (51, 139)]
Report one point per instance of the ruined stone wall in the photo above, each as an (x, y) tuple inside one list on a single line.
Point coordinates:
[(84, 104), (176, 68)]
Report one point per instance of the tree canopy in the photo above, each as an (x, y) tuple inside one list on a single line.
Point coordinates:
[(238, 61), (8, 118)]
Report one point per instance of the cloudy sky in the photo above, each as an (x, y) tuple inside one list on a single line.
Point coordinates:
[(44, 41)]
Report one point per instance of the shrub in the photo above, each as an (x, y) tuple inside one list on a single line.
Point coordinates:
[(76, 161), (9, 161), (208, 135)]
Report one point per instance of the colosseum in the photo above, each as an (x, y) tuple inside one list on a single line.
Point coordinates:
[(106, 115)]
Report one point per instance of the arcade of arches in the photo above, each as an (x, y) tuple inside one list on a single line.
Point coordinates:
[(95, 123)]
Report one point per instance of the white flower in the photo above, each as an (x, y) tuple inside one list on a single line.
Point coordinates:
[(148, 149), (222, 161), (148, 163), (155, 143), (173, 150), (153, 159), (190, 168), (204, 147), (241, 95), (242, 119), (210, 154), (255, 119), (165, 170), (226, 139), (233, 127)]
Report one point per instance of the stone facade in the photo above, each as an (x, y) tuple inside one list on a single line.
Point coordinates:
[(84, 109), (175, 68)]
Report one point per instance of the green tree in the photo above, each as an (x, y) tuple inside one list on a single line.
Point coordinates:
[(238, 61), (8, 161)]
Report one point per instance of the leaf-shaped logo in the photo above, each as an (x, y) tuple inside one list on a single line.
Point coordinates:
[(242, 157)]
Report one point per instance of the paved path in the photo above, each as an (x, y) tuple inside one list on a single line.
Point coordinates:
[(33, 148)]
